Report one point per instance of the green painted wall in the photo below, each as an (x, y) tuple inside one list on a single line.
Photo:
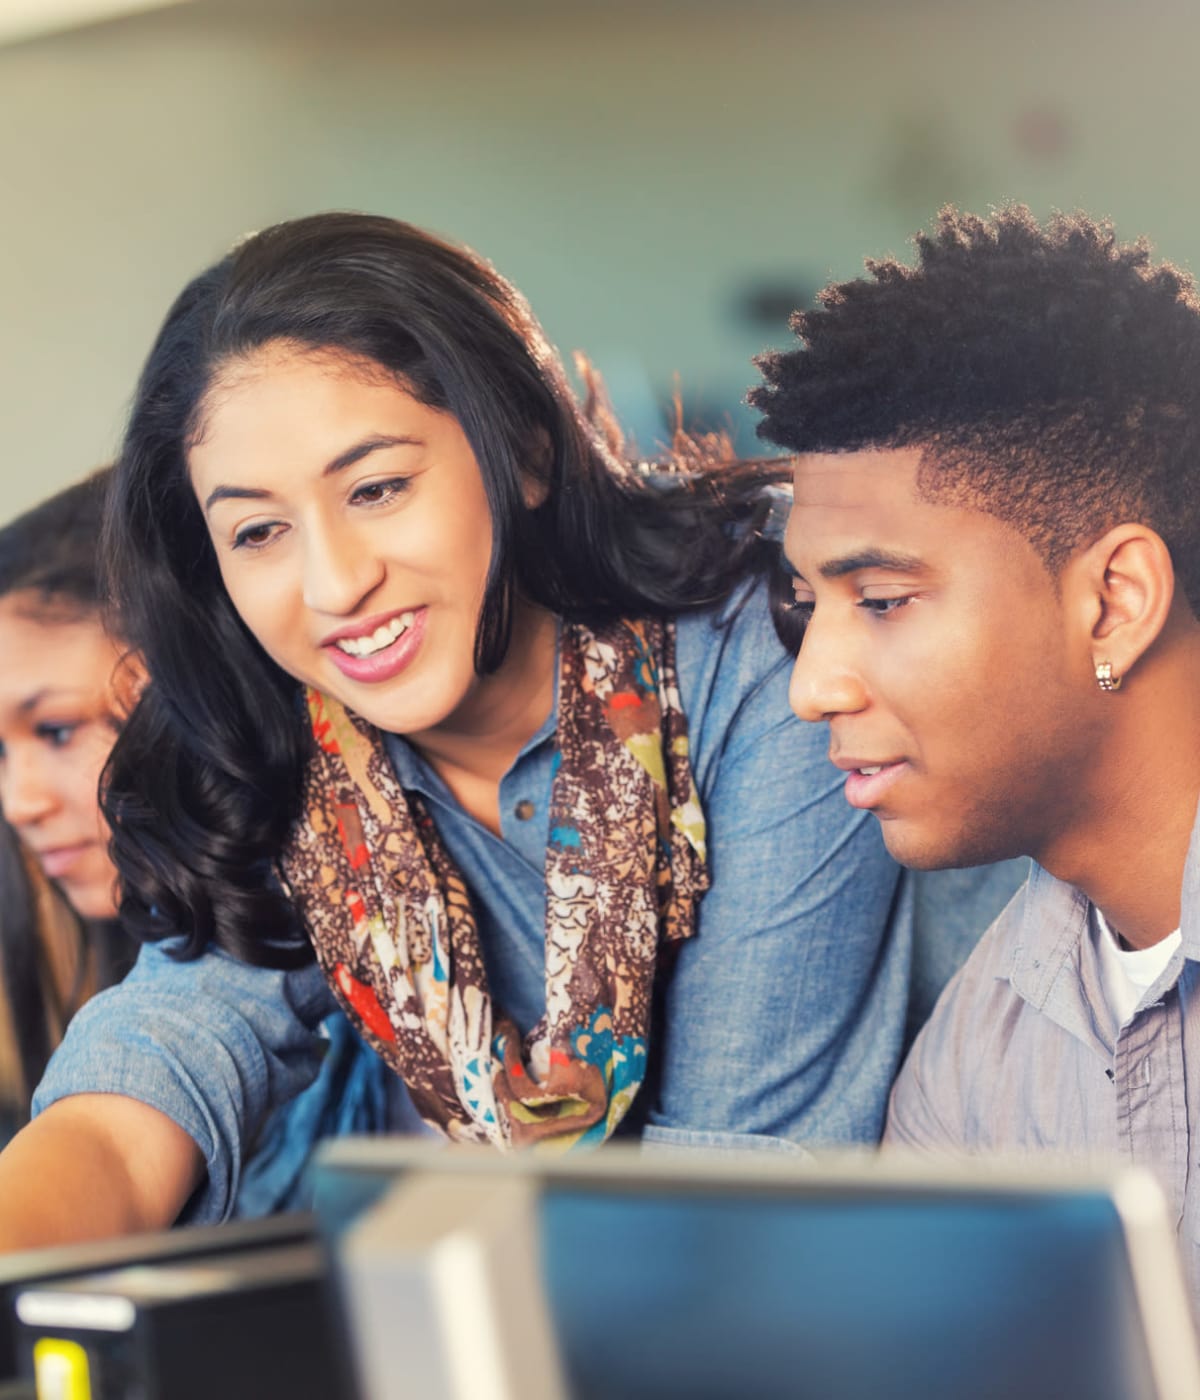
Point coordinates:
[(633, 168)]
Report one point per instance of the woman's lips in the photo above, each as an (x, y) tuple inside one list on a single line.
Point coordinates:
[(389, 661), (867, 789), (59, 861)]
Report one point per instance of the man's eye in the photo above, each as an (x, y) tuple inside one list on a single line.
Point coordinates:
[(881, 607)]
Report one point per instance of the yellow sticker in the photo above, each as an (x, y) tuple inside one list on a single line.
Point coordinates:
[(60, 1370)]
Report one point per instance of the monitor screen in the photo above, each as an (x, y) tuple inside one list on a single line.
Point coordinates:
[(708, 1278), (710, 1295)]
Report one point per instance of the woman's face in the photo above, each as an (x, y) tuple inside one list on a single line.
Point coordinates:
[(353, 534), (57, 726)]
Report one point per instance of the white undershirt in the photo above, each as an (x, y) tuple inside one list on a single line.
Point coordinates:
[(1125, 974)]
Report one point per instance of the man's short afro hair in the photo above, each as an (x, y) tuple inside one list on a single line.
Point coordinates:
[(1051, 375)]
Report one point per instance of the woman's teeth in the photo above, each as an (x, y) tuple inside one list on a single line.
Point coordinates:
[(866, 772), (382, 636)]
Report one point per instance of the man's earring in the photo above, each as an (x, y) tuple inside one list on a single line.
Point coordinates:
[(1105, 678)]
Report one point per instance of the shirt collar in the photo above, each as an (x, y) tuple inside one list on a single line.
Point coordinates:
[(1052, 923), (1189, 922), (1054, 918), (415, 774), (1051, 963)]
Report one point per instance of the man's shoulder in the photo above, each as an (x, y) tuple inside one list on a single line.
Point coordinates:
[(963, 1043)]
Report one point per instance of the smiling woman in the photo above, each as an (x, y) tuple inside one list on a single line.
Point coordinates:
[(463, 722), (351, 526), (58, 707)]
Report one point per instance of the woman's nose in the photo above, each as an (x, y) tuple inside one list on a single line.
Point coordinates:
[(339, 573), (26, 794)]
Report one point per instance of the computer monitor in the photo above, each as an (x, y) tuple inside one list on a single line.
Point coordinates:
[(648, 1277)]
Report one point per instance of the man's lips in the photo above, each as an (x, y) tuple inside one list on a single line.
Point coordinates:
[(868, 781)]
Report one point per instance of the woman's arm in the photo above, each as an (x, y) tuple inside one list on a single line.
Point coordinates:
[(91, 1166), (153, 1100), (784, 1014)]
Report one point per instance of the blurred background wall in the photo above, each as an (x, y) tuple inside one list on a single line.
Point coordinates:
[(663, 179)]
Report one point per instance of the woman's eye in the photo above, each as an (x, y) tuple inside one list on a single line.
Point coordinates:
[(373, 493), (58, 736), (255, 536)]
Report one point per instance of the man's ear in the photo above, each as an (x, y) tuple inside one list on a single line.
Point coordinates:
[(1125, 586)]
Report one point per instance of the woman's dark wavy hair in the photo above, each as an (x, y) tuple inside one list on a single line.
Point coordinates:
[(50, 557), (1051, 376), (204, 784), (50, 554)]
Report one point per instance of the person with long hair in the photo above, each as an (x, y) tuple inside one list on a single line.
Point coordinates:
[(59, 704), (459, 721)]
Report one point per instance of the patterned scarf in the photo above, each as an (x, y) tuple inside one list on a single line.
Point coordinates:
[(390, 916)]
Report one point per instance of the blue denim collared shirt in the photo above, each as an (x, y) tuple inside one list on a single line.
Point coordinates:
[(781, 1020)]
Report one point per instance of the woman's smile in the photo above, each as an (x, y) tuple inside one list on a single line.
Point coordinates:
[(379, 651)]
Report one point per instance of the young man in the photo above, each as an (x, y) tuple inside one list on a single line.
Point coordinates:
[(996, 547)]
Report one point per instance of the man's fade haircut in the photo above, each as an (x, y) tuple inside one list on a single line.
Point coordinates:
[(1050, 375)]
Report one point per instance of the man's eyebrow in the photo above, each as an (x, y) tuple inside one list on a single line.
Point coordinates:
[(353, 454), (871, 559)]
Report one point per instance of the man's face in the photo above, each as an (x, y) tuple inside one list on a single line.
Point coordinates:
[(941, 654)]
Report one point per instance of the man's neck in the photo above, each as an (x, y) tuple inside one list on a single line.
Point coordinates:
[(1138, 806)]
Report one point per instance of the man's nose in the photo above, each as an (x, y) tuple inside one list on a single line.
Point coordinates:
[(826, 679)]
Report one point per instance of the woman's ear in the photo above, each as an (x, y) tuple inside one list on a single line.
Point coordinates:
[(1125, 583), (535, 478), (129, 680)]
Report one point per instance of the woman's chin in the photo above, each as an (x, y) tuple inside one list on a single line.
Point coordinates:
[(92, 900)]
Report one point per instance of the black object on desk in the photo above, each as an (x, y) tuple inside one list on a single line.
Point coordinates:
[(239, 1326), (32, 1269)]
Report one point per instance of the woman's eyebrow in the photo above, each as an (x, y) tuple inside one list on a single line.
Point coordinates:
[(368, 445), (345, 459), (47, 692)]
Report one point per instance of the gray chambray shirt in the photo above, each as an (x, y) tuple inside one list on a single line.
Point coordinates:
[(1023, 1055)]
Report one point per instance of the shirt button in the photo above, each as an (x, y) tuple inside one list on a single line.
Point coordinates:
[(524, 810)]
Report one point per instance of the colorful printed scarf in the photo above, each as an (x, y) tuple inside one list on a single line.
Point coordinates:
[(390, 916)]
